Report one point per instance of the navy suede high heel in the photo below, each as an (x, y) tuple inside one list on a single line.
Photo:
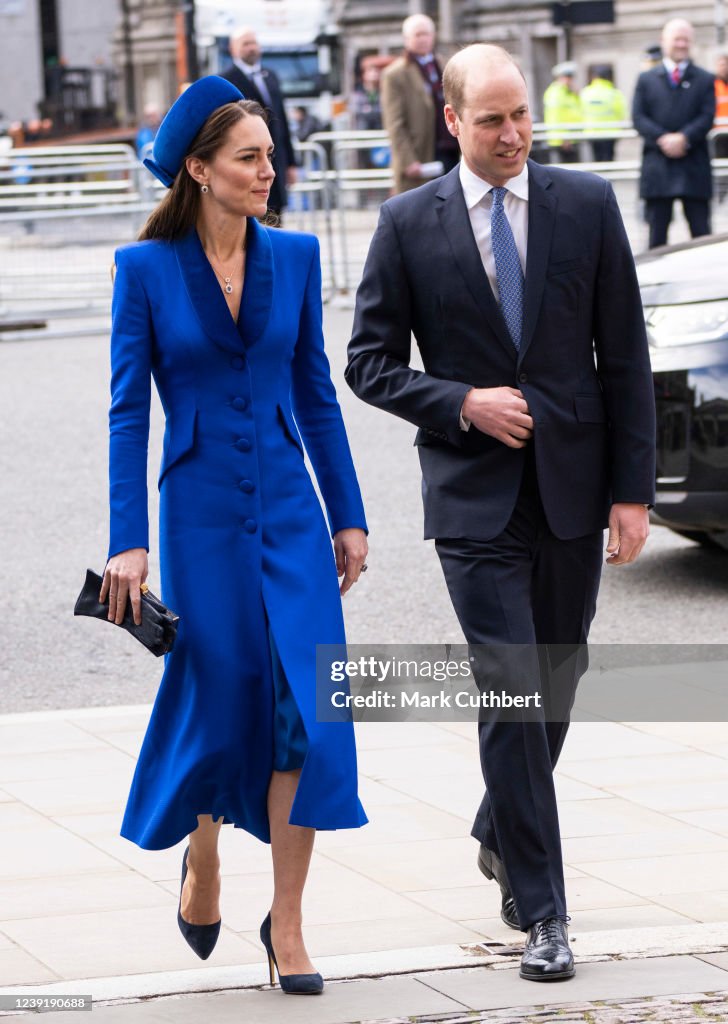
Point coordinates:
[(293, 984), (200, 937)]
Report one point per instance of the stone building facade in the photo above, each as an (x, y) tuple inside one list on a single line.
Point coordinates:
[(525, 28), (36, 37)]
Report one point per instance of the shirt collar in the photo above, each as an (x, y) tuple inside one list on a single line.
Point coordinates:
[(671, 65), (475, 189), (248, 69), (423, 60)]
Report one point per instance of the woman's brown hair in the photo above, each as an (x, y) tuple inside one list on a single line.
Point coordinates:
[(177, 212)]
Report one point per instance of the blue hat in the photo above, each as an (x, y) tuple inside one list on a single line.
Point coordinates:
[(183, 121)]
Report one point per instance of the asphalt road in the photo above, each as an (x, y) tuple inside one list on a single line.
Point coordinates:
[(53, 408)]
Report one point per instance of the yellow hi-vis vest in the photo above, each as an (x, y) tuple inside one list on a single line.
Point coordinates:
[(561, 106), (602, 102)]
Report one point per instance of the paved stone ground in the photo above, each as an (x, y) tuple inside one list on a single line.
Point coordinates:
[(692, 1008)]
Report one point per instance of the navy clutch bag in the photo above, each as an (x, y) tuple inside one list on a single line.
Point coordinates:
[(158, 628)]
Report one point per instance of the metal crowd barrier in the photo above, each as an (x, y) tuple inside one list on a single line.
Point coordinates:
[(63, 210)]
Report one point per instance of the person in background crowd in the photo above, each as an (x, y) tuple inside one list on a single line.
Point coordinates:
[(26, 133), (673, 110), (304, 123), (562, 106), (151, 120), (720, 143), (413, 115), (366, 103), (366, 116), (602, 103), (651, 57), (261, 84)]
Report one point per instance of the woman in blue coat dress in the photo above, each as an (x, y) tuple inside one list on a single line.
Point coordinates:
[(225, 315)]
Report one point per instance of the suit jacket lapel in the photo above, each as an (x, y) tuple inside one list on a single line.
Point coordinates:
[(417, 81), (541, 216), (247, 86), (453, 214)]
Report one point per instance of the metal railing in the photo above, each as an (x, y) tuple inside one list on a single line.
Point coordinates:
[(63, 210)]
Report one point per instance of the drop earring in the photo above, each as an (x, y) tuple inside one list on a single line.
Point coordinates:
[(204, 188)]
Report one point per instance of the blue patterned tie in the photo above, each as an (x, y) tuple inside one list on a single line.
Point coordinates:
[(507, 267)]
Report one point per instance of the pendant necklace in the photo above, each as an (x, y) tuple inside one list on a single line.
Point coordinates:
[(226, 279)]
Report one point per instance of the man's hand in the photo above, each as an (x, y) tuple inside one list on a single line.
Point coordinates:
[(413, 170), (291, 175), (500, 412), (629, 526), (673, 144)]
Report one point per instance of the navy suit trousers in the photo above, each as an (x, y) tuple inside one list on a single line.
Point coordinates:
[(526, 587)]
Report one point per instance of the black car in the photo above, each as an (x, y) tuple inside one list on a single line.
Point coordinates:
[(685, 295)]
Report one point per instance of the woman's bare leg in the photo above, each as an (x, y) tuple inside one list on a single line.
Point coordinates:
[(201, 891), (291, 846)]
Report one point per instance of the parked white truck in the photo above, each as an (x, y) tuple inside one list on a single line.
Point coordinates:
[(298, 39)]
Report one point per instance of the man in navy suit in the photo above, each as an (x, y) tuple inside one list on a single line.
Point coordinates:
[(261, 84), (673, 110), (536, 430)]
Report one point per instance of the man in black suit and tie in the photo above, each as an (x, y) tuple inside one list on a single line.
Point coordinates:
[(261, 84), (536, 430), (673, 110)]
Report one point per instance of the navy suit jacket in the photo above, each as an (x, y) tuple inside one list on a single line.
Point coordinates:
[(583, 364), (660, 107)]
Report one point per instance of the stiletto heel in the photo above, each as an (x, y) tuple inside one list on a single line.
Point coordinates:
[(293, 984), (200, 937)]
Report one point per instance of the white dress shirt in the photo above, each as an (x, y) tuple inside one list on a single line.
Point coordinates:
[(670, 66), (479, 201)]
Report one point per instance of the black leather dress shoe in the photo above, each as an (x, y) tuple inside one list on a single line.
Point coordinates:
[(547, 956), (492, 867)]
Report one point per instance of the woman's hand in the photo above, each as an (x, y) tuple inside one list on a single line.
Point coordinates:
[(350, 548), (123, 576)]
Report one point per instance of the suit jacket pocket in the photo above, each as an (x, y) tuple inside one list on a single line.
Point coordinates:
[(590, 408), (289, 426), (566, 266), (179, 437)]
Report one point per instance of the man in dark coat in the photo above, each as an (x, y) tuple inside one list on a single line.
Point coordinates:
[(261, 84), (536, 430), (673, 110)]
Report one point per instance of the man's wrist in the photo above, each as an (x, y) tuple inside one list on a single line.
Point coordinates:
[(464, 421)]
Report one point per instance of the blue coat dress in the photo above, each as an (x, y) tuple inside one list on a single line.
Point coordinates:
[(246, 557)]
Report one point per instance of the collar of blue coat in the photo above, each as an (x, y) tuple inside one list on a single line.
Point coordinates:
[(207, 297)]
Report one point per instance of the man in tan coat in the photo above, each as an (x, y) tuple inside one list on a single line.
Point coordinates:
[(412, 108)]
